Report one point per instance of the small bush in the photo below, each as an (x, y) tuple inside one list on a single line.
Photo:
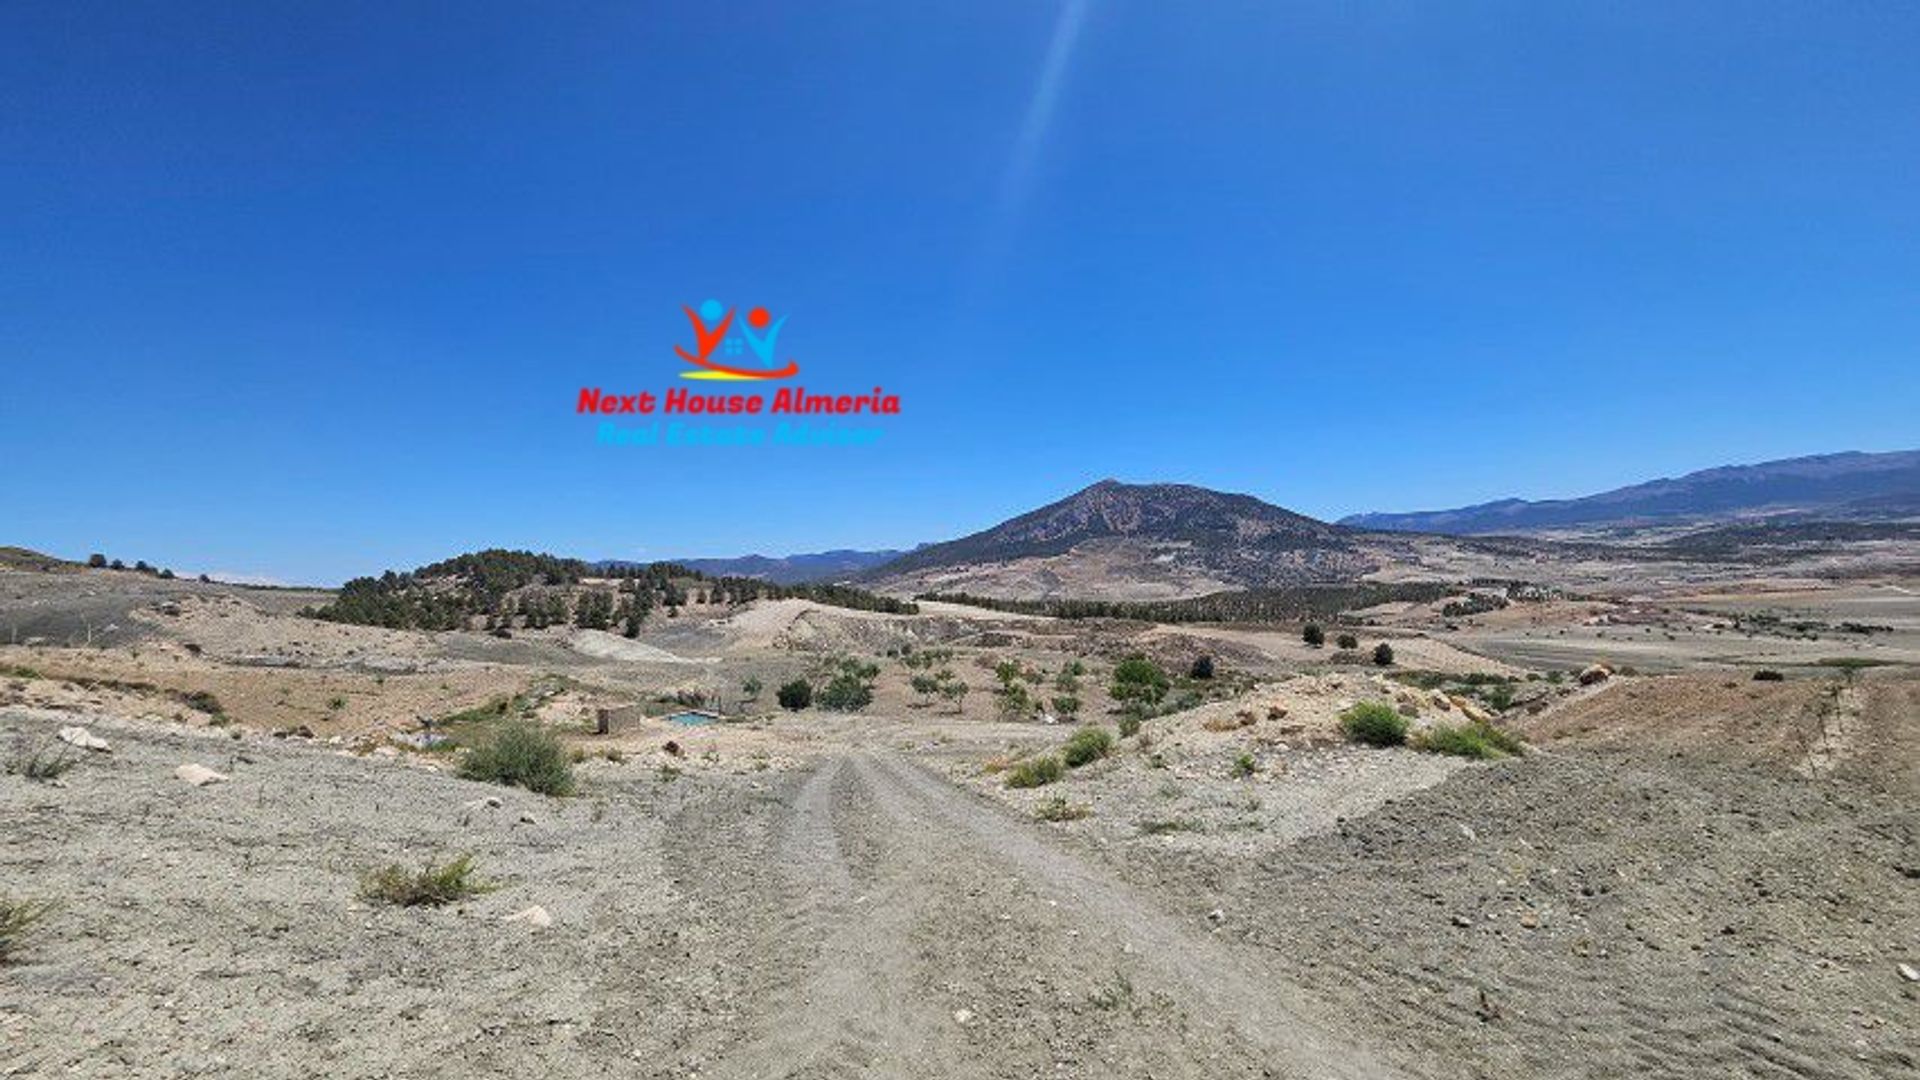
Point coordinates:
[(46, 763), (795, 695), (1244, 766), (1473, 740), (1138, 679), (1035, 772), (1129, 725), (846, 692), (1313, 635), (430, 885), (1768, 675), (1347, 641), (1162, 826), (521, 755), (1059, 809), (1202, 668), (1087, 745), (1374, 723), (1383, 655), (17, 919)]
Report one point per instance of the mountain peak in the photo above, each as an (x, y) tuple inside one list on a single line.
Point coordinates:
[(1209, 534)]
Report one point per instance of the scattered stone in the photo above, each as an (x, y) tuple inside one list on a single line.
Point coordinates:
[(1462, 920), (199, 775), (963, 1016), (1216, 916), (1910, 973), (672, 748), (297, 731), (535, 916), (84, 739), (1530, 919), (1594, 673), (526, 818)]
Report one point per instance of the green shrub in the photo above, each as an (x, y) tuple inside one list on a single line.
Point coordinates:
[(521, 755), (17, 918), (1202, 668), (1138, 679), (1768, 675), (795, 695), (1035, 772), (1471, 740), (1374, 723), (1383, 655), (1313, 635), (846, 692), (1347, 641), (1087, 745), (1129, 724), (430, 885), (1244, 766), (46, 763)]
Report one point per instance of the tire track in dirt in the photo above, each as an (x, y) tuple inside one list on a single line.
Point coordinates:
[(1219, 984), (853, 1012)]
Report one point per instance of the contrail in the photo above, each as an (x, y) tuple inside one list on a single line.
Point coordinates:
[(1016, 183)]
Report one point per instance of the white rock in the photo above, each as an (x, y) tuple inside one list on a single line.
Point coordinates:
[(199, 775), (1910, 973), (84, 739), (963, 1016), (535, 916)]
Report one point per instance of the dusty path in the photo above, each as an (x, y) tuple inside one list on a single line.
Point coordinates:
[(940, 936)]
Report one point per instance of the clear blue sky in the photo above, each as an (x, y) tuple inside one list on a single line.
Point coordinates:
[(306, 290)]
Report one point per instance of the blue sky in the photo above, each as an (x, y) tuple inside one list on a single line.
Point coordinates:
[(307, 290)]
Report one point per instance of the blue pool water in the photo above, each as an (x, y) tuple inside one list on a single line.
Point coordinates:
[(690, 719)]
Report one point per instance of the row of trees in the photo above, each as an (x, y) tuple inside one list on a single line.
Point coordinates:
[(1243, 606), (504, 590)]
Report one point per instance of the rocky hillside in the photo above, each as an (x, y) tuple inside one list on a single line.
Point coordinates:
[(1134, 541), (1835, 487)]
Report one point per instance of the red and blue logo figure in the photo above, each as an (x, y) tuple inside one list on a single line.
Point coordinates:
[(758, 334)]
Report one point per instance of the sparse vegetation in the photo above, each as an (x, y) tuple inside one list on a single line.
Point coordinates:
[(1202, 668), (1086, 746), (17, 920), (1244, 766), (1375, 724), (519, 754), (1383, 655), (429, 886), (1313, 635), (1768, 675), (47, 763), (1477, 740), (1161, 826), (1059, 809), (1035, 772), (1346, 641)]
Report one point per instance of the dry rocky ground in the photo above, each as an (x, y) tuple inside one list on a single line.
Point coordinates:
[(1689, 875)]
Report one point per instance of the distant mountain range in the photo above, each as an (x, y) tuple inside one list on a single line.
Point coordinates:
[(1849, 486), (802, 569), (1157, 541)]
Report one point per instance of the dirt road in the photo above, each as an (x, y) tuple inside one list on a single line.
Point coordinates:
[(940, 937)]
